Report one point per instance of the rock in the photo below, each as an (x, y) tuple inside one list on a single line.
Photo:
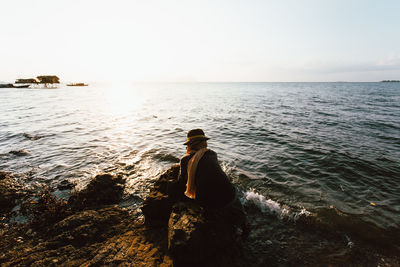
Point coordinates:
[(104, 189), (4, 175), (45, 209), (194, 238), (21, 152), (89, 234), (168, 177), (65, 185), (10, 192), (101, 237), (157, 206), (32, 137), (86, 226)]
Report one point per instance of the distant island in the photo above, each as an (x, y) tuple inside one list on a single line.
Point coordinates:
[(43, 81), (390, 81)]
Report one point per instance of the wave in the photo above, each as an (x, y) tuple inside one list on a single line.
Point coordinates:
[(328, 219), (272, 207)]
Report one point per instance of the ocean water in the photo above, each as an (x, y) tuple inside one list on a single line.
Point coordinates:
[(328, 151)]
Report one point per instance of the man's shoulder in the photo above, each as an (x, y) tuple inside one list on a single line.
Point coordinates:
[(186, 157), (210, 155)]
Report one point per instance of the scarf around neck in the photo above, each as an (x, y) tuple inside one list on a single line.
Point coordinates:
[(191, 169)]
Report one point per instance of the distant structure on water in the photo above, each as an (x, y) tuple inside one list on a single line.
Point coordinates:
[(26, 81), (48, 81), (390, 81), (43, 81)]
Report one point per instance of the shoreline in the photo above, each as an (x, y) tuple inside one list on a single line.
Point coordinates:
[(92, 230)]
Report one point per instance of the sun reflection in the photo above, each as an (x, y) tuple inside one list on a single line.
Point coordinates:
[(123, 98)]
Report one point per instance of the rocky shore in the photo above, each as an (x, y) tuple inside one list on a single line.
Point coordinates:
[(87, 230), (90, 229)]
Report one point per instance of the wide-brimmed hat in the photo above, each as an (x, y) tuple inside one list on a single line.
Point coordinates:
[(195, 135)]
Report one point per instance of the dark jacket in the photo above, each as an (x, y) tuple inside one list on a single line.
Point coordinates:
[(213, 187)]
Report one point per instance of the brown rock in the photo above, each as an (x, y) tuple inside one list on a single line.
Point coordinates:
[(158, 205), (104, 237), (104, 189), (195, 238), (65, 185), (10, 192)]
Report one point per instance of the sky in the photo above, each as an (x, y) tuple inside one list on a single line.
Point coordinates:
[(204, 41)]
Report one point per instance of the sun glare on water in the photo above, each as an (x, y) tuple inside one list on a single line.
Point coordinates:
[(123, 98)]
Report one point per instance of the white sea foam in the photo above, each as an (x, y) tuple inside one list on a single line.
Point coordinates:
[(273, 207), (266, 205), (350, 243)]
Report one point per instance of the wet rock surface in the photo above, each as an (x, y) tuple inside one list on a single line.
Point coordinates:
[(21, 152), (32, 137), (10, 192), (104, 189), (107, 236), (91, 230), (158, 204), (65, 185), (195, 238), (87, 232)]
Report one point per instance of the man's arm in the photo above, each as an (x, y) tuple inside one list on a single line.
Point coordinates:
[(177, 188)]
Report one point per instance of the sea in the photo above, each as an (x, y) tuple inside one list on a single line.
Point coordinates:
[(317, 165)]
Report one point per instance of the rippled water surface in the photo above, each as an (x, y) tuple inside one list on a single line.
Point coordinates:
[(306, 147)]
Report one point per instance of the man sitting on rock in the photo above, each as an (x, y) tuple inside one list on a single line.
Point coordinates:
[(202, 180)]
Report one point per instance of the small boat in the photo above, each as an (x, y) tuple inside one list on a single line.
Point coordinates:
[(77, 84), (6, 85), (10, 85), (21, 86)]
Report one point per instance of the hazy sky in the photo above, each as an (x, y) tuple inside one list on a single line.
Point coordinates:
[(282, 40)]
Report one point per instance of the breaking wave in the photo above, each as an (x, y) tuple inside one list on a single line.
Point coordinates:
[(272, 207)]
